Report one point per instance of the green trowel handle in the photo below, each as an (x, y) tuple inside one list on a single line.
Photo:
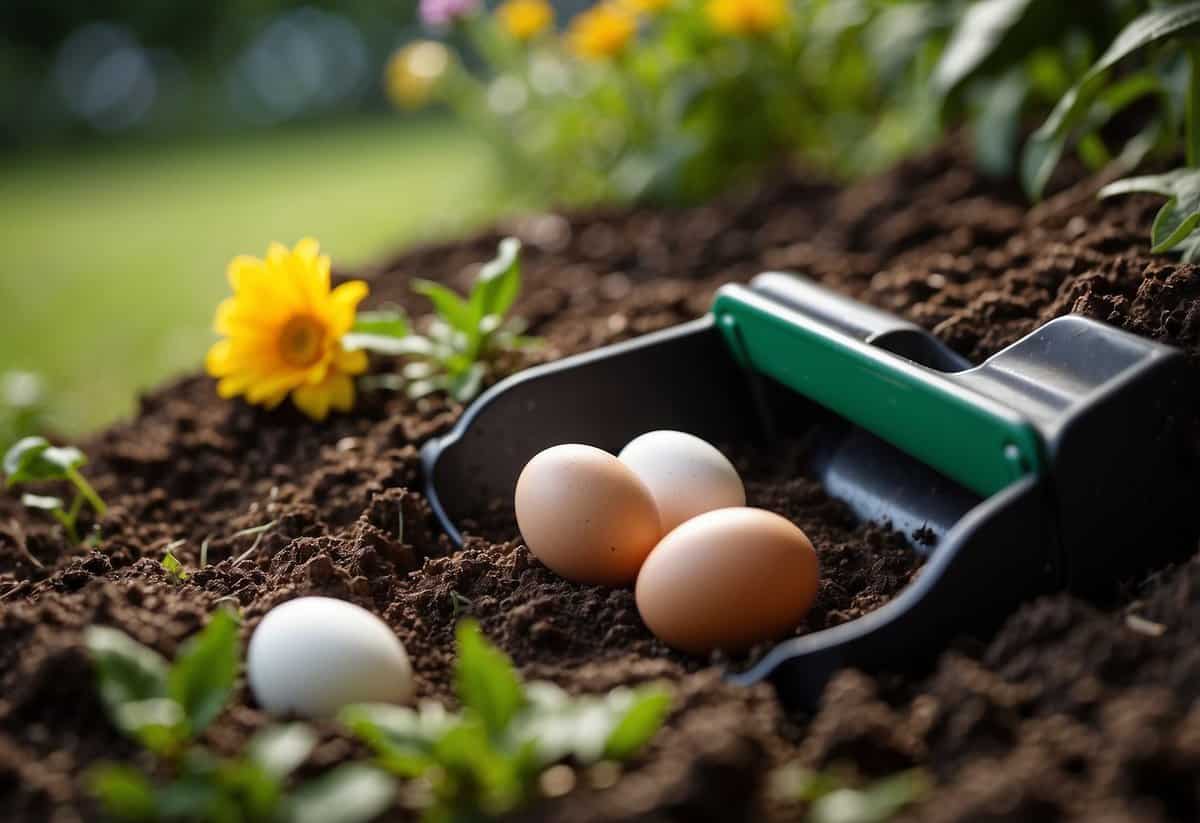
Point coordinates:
[(971, 438)]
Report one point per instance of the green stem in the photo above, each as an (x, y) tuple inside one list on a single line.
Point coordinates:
[(85, 488), (68, 523), (1193, 107)]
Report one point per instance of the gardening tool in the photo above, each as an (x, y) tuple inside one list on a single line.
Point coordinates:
[(1054, 463)]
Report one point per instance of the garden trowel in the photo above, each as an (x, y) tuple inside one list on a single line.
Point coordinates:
[(1056, 462)]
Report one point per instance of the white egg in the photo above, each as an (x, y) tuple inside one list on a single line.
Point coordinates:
[(314, 655), (686, 475)]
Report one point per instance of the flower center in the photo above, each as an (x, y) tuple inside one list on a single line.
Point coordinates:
[(301, 341)]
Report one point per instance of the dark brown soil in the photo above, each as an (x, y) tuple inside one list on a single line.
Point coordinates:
[(1073, 711)]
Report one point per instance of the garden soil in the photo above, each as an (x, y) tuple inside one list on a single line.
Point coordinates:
[(1074, 709)]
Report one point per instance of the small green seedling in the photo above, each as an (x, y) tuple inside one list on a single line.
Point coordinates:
[(173, 566), (485, 760), (33, 460), (166, 706), (830, 799), (464, 338)]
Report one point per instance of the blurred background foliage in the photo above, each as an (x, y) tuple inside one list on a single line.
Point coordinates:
[(145, 143)]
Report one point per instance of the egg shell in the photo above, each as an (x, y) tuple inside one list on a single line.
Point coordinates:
[(313, 655), (727, 579), (586, 515), (686, 476)]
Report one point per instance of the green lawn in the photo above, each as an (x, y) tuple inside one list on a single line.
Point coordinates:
[(113, 260)]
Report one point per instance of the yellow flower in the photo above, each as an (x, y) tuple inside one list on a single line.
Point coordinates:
[(413, 72), (525, 19), (746, 16), (602, 31), (282, 332), (647, 6)]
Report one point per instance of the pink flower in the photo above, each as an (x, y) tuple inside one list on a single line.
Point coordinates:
[(441, 13)]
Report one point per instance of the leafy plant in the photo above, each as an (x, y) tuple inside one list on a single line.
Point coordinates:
[(1170, 75), (486, 759), (32, 460), (830, 799), (173, 566), (461, 343), (166, 706)]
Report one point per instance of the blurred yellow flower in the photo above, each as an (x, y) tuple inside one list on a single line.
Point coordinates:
[(282, 332), (602, 31), (745, 17), (413, 72), (647, 6), (525, 19)]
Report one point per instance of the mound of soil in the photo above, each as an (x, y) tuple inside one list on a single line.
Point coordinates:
[(1073, 710)]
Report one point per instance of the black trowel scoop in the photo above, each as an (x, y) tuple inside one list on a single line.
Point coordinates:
[(1050, 464)]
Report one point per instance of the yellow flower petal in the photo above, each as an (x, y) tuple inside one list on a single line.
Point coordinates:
[(350, 362), (218, 361), (344, 302), (341, 392), (313, 400)]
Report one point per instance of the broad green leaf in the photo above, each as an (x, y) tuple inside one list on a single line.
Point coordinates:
[(255, 792), (33, 458), (123, 792), (38, 501), (413, 344), (390, 323), (485, 679), (1148, 29), (279, 750), (348, 794), (639, 723), (128, 671), (996, 34), (204, 670), (1179, 216), (499, 281), (449, 306)]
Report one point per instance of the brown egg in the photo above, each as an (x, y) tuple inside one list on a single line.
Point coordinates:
[(727, 579), (586, 515)]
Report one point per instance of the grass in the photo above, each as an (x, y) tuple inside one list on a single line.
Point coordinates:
[(113, 260)]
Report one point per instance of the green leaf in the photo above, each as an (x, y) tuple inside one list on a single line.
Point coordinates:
[(639, 723), (128, 671), (1044, 150), (175, 570), (38, 501), (876, 803), (1179, 216), (455, 311), (465, 385), (1148, 29), (123, 792), (996, 34), (204, 670), (391, 323), (33, 458), (348, 794), (279, 750), (403, 739), (158, 723), (414, 344), (995, 127), (499, 281), (486, 681)]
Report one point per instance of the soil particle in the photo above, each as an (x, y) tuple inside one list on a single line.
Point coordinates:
[(1073, 710)]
